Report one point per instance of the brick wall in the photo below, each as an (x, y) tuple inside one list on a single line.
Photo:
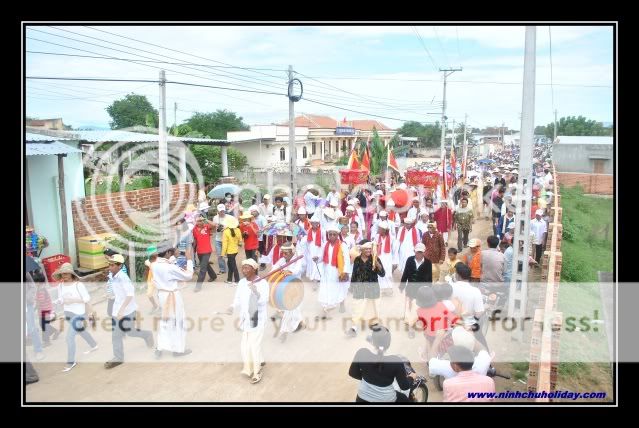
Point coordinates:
[(598, 184), (122, 203)]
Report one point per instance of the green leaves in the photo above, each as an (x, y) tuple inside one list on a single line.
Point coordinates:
[(574, 125), (132, 110), (216, 125), (429, 135)]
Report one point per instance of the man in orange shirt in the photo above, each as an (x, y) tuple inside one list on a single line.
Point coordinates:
[(473, 260)]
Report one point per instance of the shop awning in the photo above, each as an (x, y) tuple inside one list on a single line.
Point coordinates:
[(54, 148)]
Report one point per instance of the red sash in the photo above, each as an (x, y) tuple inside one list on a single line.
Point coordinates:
[(386, 245), (401, 236)]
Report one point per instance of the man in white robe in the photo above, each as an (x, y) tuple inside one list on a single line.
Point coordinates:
[(387, 254), (250, 301), (407, 237), (336, 268), (315, 240), (171, 334), (378, 218), (291, 320)]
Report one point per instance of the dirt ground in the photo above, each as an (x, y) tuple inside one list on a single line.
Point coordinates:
[(311, 366)]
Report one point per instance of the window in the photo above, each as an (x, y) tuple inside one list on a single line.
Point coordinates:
[(336, 147), (304, 153), (313, 150), (598, 166), (282, 154)]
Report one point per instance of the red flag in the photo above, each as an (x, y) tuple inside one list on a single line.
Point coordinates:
[(444, 180), (391, 162), (353, 161), (453, 162), (366, 162)]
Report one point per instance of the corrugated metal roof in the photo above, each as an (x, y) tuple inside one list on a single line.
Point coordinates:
[(39, 137), (582, 139), (55, 148)]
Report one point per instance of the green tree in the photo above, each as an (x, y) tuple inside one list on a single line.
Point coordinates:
[(577, 125), (217, 124), (132, 110), (540, 130), (378, 153), (209, 159), (429, 135)]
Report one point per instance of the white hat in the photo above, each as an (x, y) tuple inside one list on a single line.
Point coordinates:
[(383, 213), (252, 263), (366, 245), (315, 218), (420, 247), (378, 193), (330, 213), (383, 225), (254, 208), (409, 219), (463, 337), (539, 212), (267, 196), (203, 206), (474, 243), (302, 210), (421, 213), (287, 247), (351, 201), (117, 258), (332, 228), (415, 199), (350, 208), (402, 186), (221, 207), (514, 171), (333, 202), (390, 203)]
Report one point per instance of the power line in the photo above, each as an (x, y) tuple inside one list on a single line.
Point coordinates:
[(184, 53), (441, 46), (425, 48), (136, 61), (459, 81)]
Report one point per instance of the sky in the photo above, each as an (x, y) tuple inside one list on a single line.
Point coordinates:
[(382, 72)]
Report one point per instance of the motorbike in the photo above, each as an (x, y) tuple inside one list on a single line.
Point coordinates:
[(418, 391), (495, 299)]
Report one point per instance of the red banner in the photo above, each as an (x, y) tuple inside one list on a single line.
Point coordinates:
[(353, 176), (422, 178)]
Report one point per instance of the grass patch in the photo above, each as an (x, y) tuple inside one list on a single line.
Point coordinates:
[(587, 248), (141, 182)]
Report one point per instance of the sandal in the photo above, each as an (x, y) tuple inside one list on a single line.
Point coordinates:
[(256, 378)]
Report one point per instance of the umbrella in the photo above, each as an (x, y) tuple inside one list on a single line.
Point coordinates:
[(221, 190)]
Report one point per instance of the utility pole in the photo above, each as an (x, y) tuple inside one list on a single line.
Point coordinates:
[(521, 242), (291, 138), (163, 159), (447, 72), (465, 147), (555, 133)]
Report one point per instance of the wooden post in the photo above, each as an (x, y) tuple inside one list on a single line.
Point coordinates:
[(63, 205)]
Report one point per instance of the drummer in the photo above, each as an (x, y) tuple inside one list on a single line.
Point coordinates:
[(292, 320)]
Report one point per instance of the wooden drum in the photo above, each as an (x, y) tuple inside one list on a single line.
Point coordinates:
[(286, 291)]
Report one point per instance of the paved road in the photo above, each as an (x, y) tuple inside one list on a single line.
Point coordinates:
[(311, 366)]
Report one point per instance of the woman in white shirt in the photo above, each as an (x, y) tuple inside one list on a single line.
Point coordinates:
[(73, 294)]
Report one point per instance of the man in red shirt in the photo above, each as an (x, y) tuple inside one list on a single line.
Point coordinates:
[(249, 232), (202, 235)]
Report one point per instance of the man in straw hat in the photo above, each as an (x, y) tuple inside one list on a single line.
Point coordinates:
[(366, 291), (251, 298), (124, 311), (171, 334), (408, 237), (292, 320), (435, 250), (387, 253), (315, 240), (336, 268)]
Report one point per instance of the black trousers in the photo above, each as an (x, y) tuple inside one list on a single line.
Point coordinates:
[(232, 267), (251, 254), (204, 268), (539, 249)]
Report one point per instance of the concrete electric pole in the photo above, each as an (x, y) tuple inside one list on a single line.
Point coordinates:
[(447, 72)]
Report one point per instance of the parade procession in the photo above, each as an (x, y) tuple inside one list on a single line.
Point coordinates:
[(195, 258)]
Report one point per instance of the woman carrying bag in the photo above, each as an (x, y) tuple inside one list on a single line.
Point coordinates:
[(75, 297)]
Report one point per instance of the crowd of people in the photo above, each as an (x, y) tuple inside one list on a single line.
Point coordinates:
[(346, 243)]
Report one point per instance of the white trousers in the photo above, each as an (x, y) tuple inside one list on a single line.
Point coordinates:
[(252, 351)]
